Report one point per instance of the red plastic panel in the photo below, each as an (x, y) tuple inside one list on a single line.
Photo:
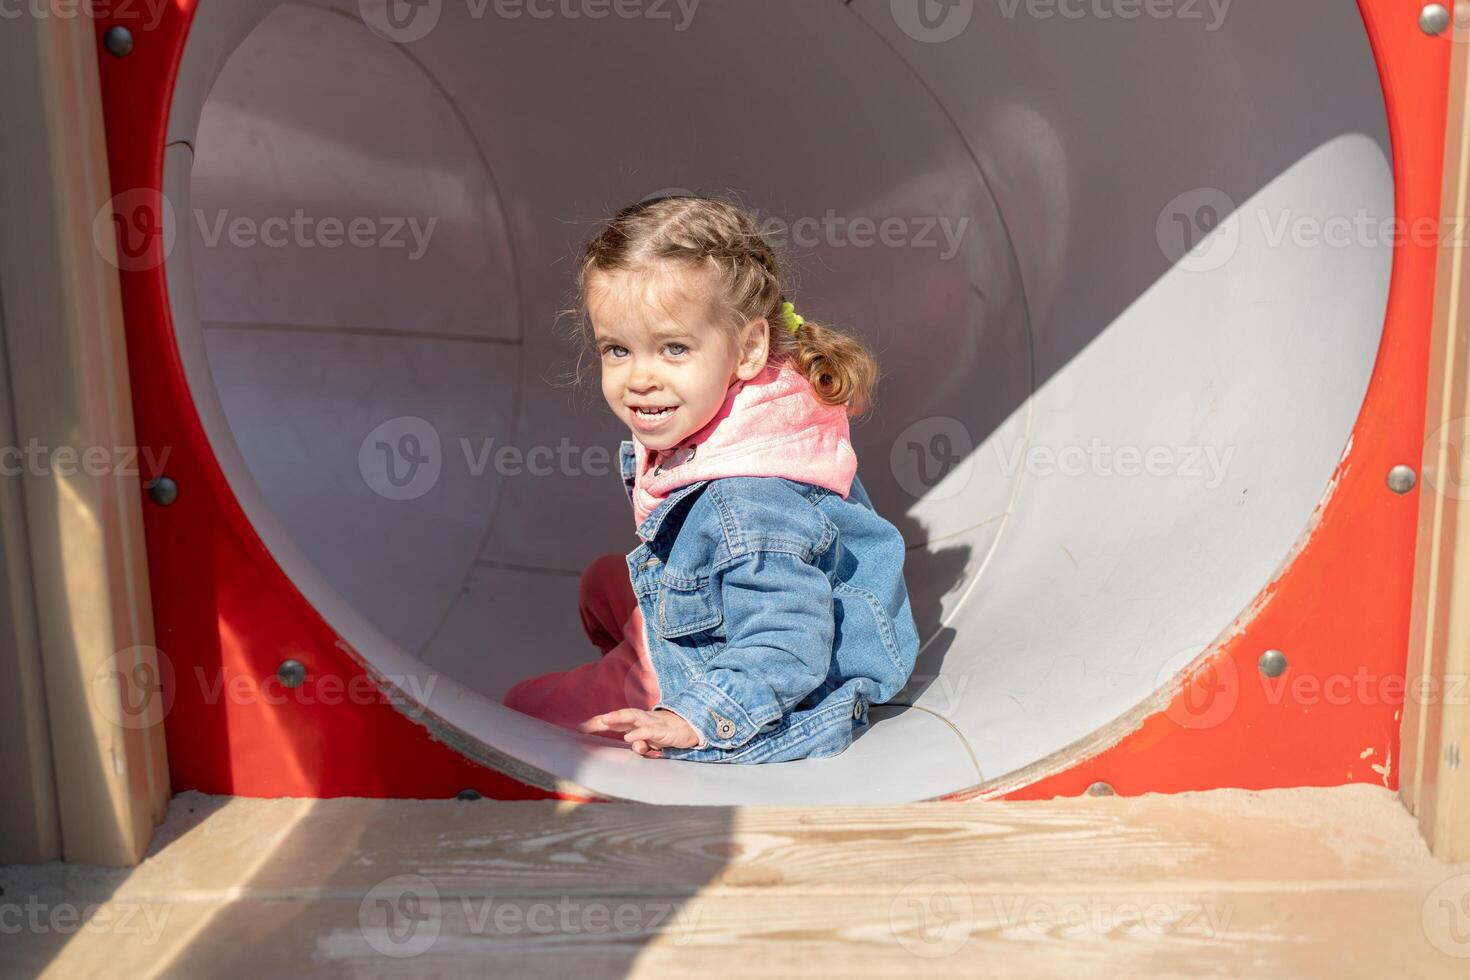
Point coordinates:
[(226, 615)]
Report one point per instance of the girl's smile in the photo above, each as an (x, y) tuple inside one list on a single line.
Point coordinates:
[(651, 420)]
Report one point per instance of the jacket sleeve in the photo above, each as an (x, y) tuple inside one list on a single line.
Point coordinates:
[(779, 633)]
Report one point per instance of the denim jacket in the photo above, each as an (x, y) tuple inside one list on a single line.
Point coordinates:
[(776, 612)]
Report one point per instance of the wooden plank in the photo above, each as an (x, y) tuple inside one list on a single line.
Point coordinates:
[(1284, 883), (1435, 778), (559, 847), (30, 823), (1348, 933), (68, 378)]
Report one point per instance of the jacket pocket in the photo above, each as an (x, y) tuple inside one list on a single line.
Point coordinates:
[(684, 609), (863, 616)]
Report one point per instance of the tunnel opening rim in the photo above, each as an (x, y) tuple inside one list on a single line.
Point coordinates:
[(1068, 751)]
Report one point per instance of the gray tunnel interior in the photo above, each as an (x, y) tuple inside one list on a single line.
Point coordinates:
[(1116, 383)]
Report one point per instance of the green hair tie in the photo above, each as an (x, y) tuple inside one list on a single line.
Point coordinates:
[(793, 319)]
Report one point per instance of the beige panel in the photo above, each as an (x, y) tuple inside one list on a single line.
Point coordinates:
[(1300, 883), (1436, 729), (30, 828), (81, 550)]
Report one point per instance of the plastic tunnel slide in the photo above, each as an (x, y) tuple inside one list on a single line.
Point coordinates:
[(1151, 346)]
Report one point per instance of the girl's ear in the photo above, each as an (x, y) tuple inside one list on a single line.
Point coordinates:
[(754, 345)]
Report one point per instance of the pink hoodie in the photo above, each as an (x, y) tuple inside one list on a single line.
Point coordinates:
[(771, 425)]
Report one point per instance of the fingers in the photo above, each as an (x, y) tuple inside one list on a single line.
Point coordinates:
[(612, 721), (646, 740), (641, 733)]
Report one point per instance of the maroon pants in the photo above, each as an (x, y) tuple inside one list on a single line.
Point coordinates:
[(622, 677)]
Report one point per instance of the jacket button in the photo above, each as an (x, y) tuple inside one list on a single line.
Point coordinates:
[(725, 728), (857, 710)]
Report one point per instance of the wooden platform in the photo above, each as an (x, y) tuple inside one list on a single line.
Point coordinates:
[(1299, 883)]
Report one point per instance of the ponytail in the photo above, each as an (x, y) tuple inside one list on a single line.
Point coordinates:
[(841, 368)]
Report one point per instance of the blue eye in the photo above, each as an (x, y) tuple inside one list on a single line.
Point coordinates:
[(613, 347), (681, 349)]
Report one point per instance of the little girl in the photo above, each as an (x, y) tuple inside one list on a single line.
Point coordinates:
[(765, 607)]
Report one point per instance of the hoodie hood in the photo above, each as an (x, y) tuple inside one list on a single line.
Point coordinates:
[(772, 425)]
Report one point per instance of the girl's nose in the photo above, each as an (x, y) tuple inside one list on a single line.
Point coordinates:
[(643, 377)]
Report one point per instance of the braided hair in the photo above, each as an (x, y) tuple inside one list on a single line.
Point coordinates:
[(707, 233)]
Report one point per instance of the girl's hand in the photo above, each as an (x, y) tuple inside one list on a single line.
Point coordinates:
[(648, 731)]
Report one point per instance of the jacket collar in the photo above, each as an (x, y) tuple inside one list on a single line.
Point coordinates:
[(628, 465), (771, 425)]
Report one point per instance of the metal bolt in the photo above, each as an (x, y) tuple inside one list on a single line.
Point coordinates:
[(118, 41), (469, 794), (292, 673), (1434, 19), (1272, 663), (163, 491), (1401, 478), (1101, 789)]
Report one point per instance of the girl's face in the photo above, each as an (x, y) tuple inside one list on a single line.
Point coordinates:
[(667, 364)]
